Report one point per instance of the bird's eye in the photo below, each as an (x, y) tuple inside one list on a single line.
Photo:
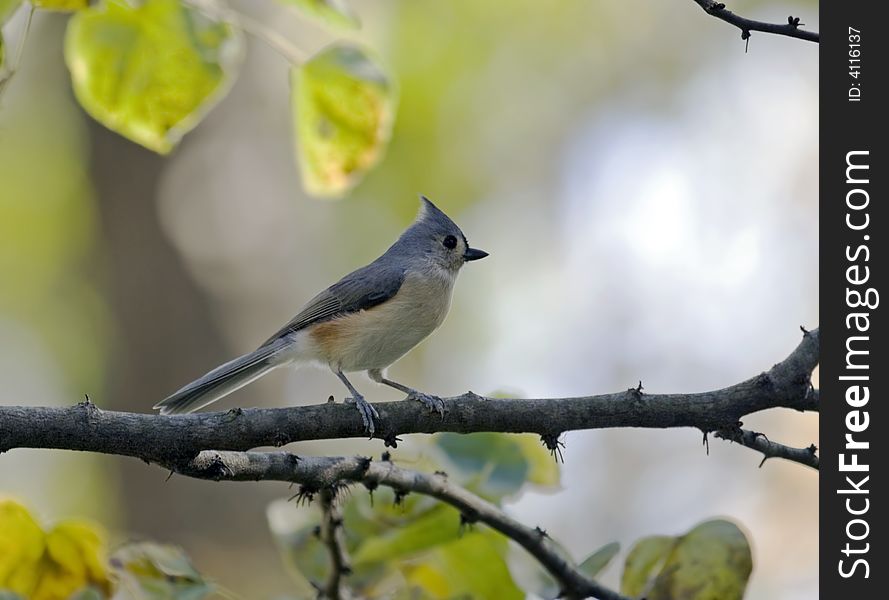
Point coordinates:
[(450, 242)]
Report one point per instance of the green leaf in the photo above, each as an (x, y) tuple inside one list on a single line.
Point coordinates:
[(435, 527), (60, 5), (643, 563), (343, 107), (598, 560), (149, 72), (333, 12), (294, 530), (498, 464), (7, 8), (159, 571), (710, 562), (473, 566)]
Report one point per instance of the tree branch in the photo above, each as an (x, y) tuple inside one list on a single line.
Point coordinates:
[(331, 534), (759, 442), (790, 29), (322, 475), (158, 438)]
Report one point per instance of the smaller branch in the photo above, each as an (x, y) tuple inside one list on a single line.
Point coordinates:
[(320, 473), (769, 449), (257, 29), (334, 538), (790, 29), (17, 59)]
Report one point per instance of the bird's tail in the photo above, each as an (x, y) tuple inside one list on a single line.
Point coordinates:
[(221, 381)]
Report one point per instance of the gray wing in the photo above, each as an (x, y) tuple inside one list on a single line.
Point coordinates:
[(359, 290)]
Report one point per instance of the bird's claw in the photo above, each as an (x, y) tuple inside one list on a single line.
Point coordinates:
[(368, 413), (433, 403)]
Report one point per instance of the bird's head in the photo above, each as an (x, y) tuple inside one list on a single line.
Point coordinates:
[(436, 238)]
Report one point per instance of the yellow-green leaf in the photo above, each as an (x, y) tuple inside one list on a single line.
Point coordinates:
[(50, 566), (710, 562), (643, 563), (598, 560), (21, 548), (343, 107), (60, 5), (332, 12), (497, 464), (435, 527), (149, 72), (473, 566)]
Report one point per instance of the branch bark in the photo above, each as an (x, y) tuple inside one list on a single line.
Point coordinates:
[(320, 475), (769, 449), (790, 29), (156, 438)]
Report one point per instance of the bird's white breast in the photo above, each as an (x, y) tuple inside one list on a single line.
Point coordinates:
[(377, 337)]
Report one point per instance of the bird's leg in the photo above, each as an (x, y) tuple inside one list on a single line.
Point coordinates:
[(433, 403), (367, 411)]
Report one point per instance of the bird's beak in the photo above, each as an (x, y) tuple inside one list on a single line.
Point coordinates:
[(474, 254)]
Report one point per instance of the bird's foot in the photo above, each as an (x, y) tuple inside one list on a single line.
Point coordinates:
[(368, 412), (433, 403)]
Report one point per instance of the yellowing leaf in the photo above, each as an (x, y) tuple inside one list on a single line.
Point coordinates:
[(60, 5), (710, 562), (643, 563), (333, 12), (343, 106), (21, 548), (49, 566), (149, 72)]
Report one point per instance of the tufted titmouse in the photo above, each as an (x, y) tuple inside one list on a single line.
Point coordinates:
[(364, 322)]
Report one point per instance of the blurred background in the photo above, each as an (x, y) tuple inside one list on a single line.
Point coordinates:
[(647, 192)]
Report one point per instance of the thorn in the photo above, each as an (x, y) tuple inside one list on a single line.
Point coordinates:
[(364, 463), (304, 495), (745, 35), (707, 442), (804, 330), (331, 399), (764, 459), (371, 486), (235, 412), (391, 440), (170, 475), (467, 520), (812, 449), (541, 532), (554, 445), (636, 392), (399, 498)]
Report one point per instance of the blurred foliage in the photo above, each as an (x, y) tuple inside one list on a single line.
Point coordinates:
[(710, 562), (49, 565), (343, 111), (60, 5), (153, 571), (69, 562), (333, 12), (7, 7), (149, 72)]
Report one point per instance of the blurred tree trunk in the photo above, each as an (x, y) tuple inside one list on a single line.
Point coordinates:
[(164, 334)]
